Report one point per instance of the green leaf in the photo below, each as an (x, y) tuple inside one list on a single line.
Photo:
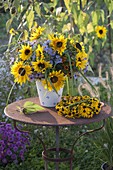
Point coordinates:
[(37, 9), (30, 107), (30, 18), (8, 24), (111, 23), (94, 17), (90, 27), (67, 4), (102, 15), (75, 13), (16, 3)]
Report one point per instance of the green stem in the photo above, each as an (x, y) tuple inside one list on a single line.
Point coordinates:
[(74, 104), (70, 70), (88, 81), (10, 94), (67, 84)]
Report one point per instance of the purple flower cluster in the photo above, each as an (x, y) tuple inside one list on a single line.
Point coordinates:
[(12, 144)]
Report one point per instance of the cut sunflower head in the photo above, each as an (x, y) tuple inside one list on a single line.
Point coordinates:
[(37, 32), (101, 31), (56, 81), (21, 72), (81, 60), (12, 31), (40, 66), (25, 52), (77, 45), (58, 43), (39, 52)]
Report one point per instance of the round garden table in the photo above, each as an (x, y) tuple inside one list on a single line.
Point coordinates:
[(49, 117)]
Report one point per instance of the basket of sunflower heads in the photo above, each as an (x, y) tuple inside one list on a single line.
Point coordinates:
[(78, 106)]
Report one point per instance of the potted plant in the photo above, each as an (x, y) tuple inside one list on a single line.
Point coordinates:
[(104, 143)]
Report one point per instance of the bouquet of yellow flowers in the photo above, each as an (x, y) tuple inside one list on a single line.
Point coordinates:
[(51, 58)]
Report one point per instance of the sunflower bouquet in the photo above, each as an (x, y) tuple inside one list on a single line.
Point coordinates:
[(52, 59)]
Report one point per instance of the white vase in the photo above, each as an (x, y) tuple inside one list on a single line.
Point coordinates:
[(48, 98)]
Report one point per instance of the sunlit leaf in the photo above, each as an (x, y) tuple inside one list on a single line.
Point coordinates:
[(94, 17), (30, 18), (8, 23), (90, 27), (102, 15), (67, 3), (37, 9), (66, 27), (25, 35), (111, 23), (84, 3)]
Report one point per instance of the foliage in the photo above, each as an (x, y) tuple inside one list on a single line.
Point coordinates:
[(104, 143)]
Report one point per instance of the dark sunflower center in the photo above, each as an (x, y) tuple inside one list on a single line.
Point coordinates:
[(54, 79), (79, 59), (59, 44), (78, 46), (41, 65), (27, 51), (101, 31), (22, 71)]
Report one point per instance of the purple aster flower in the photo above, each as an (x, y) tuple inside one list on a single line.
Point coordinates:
[(13, 156), (12, 144), (18, 143), (11, 138), (8, 152), (15, 148), (75, 76)]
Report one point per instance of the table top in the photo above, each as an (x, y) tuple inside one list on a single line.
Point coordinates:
[(49, 116)]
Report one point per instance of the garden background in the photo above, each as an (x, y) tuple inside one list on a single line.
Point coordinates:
[(74, 17)]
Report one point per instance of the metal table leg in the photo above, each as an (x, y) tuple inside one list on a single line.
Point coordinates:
[(57, 149)]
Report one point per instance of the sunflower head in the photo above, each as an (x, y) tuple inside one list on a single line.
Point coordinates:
[(25, 52), (39, 52), (40, 66), (101, 31), (56, 80), (36, 33), (21, 72), (58, 43), (12, 31), (81, 60)]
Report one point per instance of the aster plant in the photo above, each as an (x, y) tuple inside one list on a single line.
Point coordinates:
[(13, 144)]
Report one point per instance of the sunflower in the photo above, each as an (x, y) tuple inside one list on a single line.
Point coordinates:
[(100, 31), (78, 45), (21, 72), (41, 65), (12, 31), (25, 52), (81, 60), (58, 43), (36, 33), (57, 79), (39, 52)]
